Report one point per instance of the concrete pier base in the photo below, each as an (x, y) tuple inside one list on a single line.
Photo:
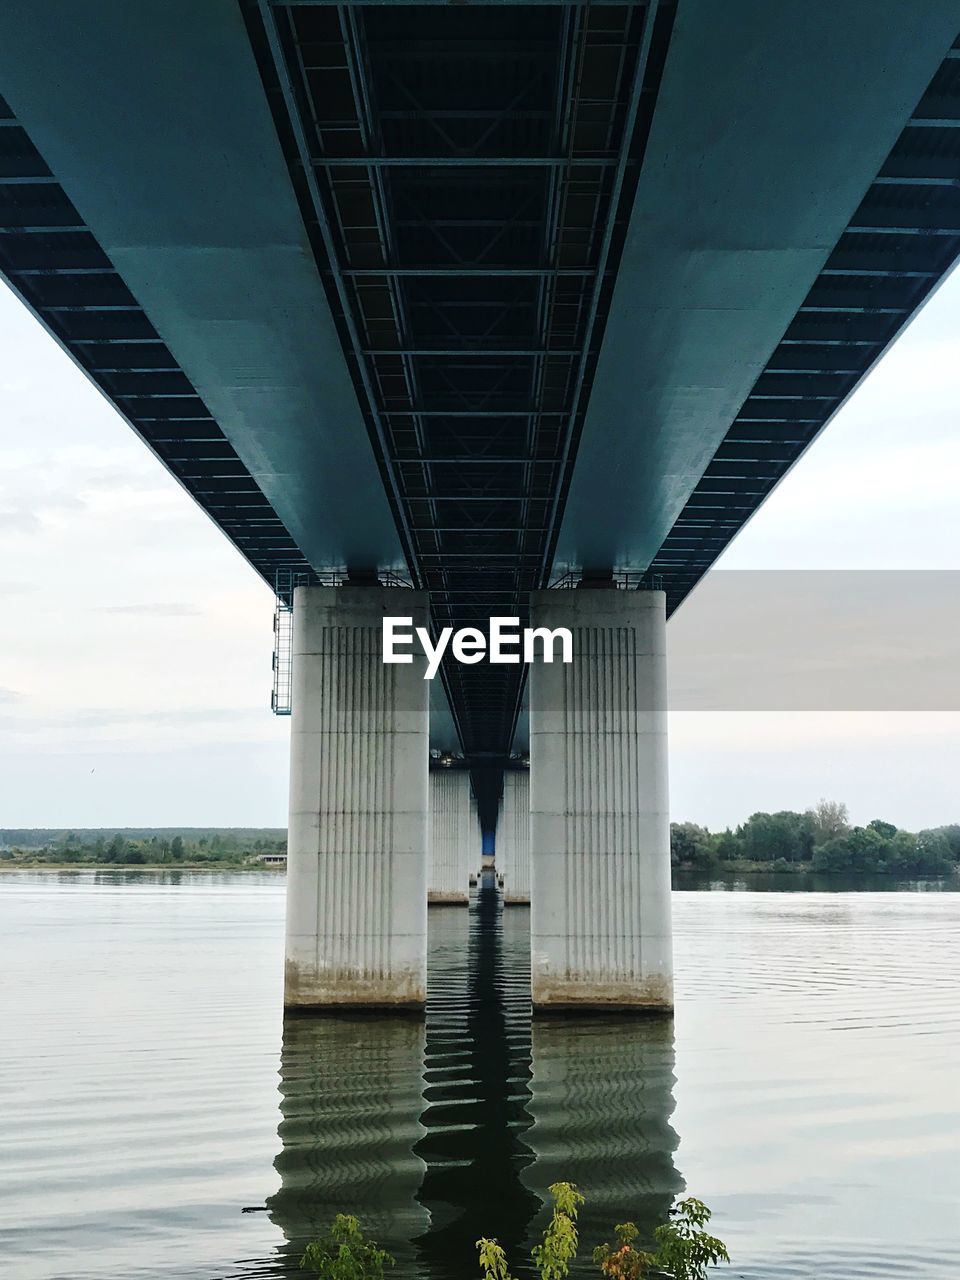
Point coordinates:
[(600, 835), (357, 844), (513, 838), (453, 846)]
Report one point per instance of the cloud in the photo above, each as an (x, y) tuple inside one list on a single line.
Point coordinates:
[(106, 717), (19, 521), (152, 610), (179, 716), (8, 696)]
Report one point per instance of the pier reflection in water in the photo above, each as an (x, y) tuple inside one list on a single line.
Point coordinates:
[(476, 1086), (602, 1097), (437, 1134), (350, 1104)]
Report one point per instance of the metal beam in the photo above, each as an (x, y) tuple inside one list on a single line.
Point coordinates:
[(465, 161), (464, 273), (268, 17), (629, 127)]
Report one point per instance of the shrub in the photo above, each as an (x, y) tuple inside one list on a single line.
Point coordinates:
[(343, 1253), (626, 1262), (561, 1238), (684, 1248)]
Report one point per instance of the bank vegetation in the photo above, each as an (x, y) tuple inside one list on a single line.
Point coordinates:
[(819, 839)]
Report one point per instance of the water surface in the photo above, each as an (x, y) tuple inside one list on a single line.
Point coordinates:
[(151, 1090)]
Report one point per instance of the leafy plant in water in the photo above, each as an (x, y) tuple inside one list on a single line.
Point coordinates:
[(625, 1262), (561, 1238), (343, 1253), (683, 1247), (493, 1260)]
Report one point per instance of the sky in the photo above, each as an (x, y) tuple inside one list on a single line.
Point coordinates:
[(135, 642)]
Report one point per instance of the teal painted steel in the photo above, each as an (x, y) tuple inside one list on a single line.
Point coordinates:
[(153, 118), (322, 278)]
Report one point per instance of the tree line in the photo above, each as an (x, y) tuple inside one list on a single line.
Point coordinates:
[(223, 848), (819, 839)]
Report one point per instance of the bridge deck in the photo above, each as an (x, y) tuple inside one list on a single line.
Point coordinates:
[(479, 293)]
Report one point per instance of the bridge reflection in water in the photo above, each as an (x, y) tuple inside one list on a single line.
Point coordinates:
[(434, 1135), (351, 1096)]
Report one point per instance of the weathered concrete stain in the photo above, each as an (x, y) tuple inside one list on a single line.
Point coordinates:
[(334, 988), (554, 994)]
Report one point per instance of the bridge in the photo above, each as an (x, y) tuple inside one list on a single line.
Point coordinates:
[(460, 310)]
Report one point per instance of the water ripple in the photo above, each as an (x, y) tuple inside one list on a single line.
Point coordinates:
[(150, 1090)]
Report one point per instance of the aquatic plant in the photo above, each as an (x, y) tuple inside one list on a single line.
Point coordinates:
[(343, 1253), (561, 1238), (684, 1248), (625, 1262), (493, 1260)]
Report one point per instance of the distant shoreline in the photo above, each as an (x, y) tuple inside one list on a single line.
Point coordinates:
[(136, 868)]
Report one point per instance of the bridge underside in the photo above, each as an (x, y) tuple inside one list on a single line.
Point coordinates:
[(479, 294)]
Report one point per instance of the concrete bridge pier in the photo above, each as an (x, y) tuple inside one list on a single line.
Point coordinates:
[(356, 930), (454, 845), (600, 836), (513, 838)]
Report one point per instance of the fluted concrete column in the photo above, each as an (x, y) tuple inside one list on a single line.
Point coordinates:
[(513, 837), (600, 835), (357, 841), (453, 846)]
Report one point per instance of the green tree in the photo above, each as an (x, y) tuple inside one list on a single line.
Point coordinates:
[(951, 834), (933, 853), (902, 853), (885, 829), (765, 837), (727, 846), (176, 848), (690, 845), (860, 849)]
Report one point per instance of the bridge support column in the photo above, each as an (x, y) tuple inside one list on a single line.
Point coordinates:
[(513, 837), (454, 848), (600, 834), (357, 841)]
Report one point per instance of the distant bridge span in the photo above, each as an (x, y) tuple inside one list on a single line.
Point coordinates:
[(480, 295)]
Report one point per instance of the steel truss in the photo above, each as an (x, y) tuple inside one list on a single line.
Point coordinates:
[(467, 174)]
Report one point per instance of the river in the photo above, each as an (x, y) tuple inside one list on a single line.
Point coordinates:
[(151, 1090)]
